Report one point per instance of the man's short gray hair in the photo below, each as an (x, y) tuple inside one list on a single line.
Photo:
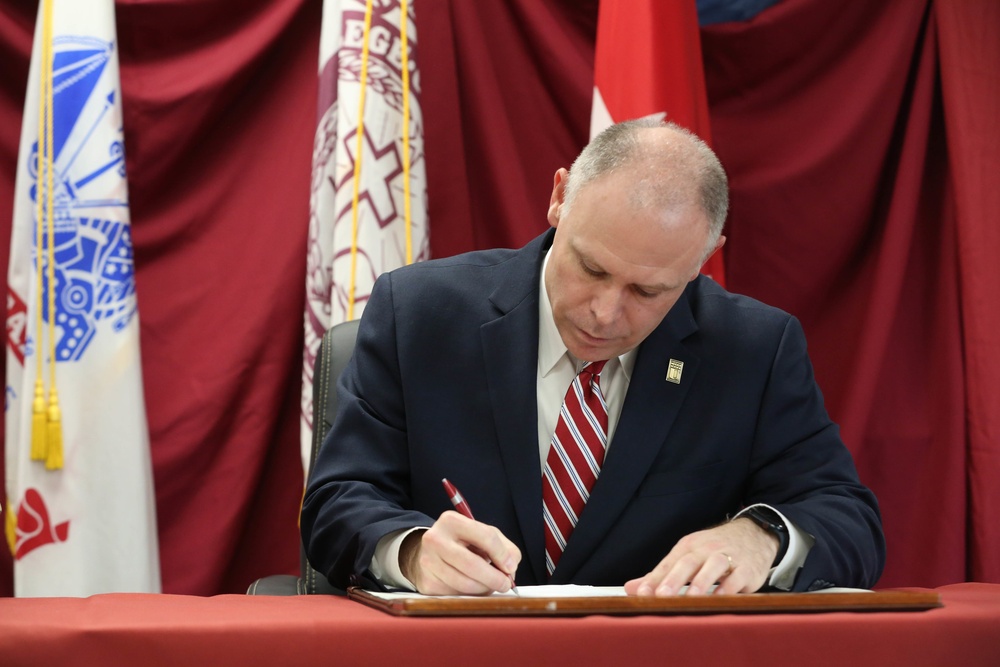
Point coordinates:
[(668, 171)]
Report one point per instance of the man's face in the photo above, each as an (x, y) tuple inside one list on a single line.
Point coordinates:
[(614, 272)]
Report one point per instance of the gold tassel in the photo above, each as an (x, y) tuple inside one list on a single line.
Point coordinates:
[(11, 528), (39, 420), (54, 440)]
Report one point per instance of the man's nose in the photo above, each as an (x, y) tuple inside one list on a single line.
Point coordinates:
[(606, 306)]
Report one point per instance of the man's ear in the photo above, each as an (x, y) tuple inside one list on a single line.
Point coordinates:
[(718, 246), (558, 196)]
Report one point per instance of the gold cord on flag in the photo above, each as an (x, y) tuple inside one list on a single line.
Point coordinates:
[(39, 410), (357, 158), (10, 527), (403, 23), (46, 427)]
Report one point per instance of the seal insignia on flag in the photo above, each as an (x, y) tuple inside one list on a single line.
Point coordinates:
[(94, 281)]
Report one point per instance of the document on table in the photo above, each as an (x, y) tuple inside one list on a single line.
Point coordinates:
[(562, 591), (546, 591)]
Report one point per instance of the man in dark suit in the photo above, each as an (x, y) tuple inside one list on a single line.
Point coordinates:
[(721, 463)]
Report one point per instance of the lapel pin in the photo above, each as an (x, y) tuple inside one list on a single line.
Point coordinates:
[(674, 371)]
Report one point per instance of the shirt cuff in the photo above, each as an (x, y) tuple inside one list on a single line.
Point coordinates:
[(782, 576), (385, 561)]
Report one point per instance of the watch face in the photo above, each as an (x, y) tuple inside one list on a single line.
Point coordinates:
[(765, 520), (773, 524)]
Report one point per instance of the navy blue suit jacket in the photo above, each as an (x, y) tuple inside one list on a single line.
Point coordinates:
[(442, 384)]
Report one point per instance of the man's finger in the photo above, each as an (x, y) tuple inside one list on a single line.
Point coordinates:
[(455, 554), (684, 570), (716, 567), (648, 584), (444, 578)]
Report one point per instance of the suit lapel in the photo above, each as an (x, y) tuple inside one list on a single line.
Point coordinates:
[(510, 349), (651, 406)]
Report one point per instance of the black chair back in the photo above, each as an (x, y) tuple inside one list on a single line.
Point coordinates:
[(334, 353)]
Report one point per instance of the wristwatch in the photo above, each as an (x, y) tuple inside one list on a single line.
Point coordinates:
[(769, 520)]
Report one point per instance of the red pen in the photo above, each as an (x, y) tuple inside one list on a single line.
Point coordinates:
[(462, 507)]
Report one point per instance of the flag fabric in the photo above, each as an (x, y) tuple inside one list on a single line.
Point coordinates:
[(648, 63), (79, 514), (368, 199)]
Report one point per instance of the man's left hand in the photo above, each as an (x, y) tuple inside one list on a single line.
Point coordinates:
[(738, 555)]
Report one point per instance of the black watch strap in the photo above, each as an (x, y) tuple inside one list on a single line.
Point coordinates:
[(769, 520)]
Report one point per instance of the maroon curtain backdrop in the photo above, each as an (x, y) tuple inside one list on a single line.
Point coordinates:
[(829, 117), (969, 46), (858, 137), (831, 120), (506, 101)]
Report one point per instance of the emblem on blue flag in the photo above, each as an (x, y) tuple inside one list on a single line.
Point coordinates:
[(94, 280)]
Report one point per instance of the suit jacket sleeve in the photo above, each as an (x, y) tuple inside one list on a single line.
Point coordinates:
[(359, 486), (801, 467)]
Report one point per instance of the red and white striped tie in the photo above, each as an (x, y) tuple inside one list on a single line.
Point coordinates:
[(574, 460)]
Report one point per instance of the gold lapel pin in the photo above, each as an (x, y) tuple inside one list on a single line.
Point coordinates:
[(674, 371)]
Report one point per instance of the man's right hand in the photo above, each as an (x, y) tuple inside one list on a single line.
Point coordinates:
[(458, 556)]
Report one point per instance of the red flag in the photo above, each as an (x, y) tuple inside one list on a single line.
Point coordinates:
[(648, 62)]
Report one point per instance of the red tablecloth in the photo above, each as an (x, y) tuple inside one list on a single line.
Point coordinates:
[(151, 630)]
